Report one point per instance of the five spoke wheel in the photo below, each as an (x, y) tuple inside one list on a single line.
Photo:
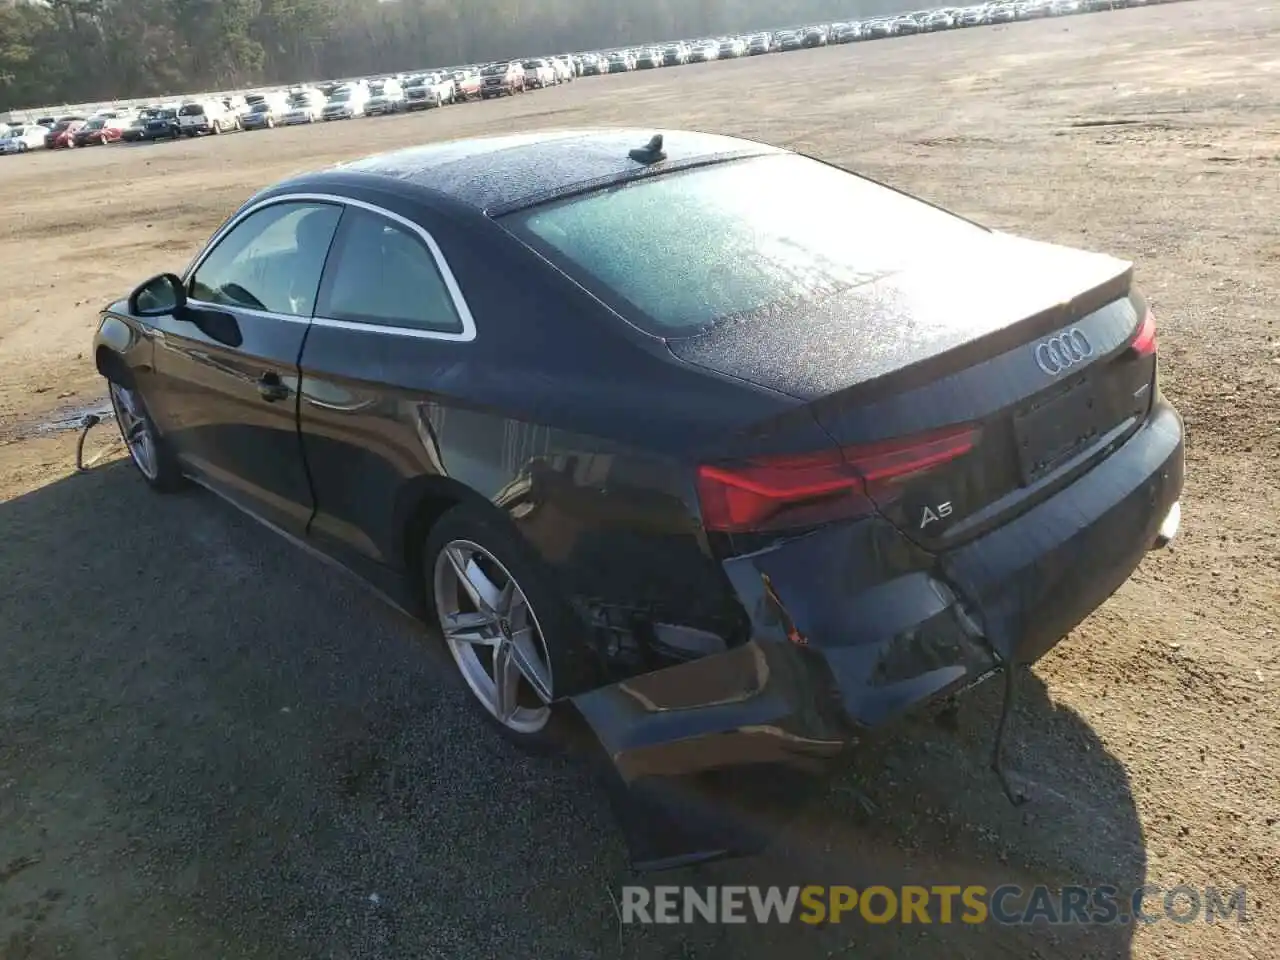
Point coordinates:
[(493, 633), (135, 428)]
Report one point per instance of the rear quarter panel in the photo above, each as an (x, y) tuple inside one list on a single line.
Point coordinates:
[(580, 436)]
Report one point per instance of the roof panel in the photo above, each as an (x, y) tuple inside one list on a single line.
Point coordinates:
[(502, 171)]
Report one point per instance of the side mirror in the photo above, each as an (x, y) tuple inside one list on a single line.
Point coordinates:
[(158, 297)]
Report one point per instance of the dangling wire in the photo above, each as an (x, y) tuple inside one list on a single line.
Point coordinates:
[(1015, 796), (90, 421)]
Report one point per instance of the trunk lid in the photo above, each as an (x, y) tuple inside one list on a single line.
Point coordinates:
[(1025, 342)]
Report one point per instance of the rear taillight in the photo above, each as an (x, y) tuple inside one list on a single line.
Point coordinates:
[(1144, 341), (780, 493)]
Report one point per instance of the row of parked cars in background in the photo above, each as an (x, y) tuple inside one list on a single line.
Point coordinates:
[(349, 99), (681, 52), (311, 103)]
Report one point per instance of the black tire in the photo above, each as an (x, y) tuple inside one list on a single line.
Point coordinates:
[(573, 666), (169, 477)]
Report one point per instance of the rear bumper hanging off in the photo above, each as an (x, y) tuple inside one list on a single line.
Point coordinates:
[(837, 649)]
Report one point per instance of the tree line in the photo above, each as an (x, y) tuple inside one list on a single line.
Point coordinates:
[(73, 51)]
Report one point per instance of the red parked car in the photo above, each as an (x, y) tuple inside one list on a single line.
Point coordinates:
[(63, 133), (99, 130)]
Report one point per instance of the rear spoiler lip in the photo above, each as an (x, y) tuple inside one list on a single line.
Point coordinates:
[(1094, 281), (998, 341)]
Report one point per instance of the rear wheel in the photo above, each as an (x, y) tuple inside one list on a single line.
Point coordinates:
[(147, 449), (515, 640)]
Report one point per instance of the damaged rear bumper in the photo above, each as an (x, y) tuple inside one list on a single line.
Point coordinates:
[(853, 625)]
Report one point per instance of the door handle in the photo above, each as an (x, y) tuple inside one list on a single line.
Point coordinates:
[(271, 389)]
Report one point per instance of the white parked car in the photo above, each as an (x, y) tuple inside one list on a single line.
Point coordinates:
[(265, 111), (564, 69), (385, 96), (305, 106), (22, 139), (346, 103), (205, 116), (430, 90), (704, 51), (237, 105), (539, 73)]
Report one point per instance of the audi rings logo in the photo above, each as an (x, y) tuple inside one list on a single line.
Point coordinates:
[(1063, 351)]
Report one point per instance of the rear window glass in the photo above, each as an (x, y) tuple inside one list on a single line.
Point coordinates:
[(192, 110), (676, 253)]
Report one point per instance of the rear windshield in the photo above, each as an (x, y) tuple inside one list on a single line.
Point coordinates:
[(678, 252), (191, 110)]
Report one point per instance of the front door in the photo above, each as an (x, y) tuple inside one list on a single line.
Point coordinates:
[(226, 365)]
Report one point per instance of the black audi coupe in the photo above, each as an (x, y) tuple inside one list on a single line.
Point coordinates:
[(735, 451)]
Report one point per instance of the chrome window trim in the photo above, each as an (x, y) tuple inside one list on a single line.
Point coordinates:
[(465, 335)]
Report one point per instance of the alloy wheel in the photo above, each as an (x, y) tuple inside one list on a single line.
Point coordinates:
[(494, 636), (136, 430)]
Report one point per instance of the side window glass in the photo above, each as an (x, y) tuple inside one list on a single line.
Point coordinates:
[(383, 273), (271, 260)]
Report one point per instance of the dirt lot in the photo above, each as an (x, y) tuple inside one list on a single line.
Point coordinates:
[(214, 746)]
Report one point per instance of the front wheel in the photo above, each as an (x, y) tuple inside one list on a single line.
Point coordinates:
[(515, 640), (147, 449)]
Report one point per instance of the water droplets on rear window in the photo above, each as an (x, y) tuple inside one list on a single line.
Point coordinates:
[(684, 250)]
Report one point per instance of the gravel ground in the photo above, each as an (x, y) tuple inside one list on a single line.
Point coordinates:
[(214, 746)]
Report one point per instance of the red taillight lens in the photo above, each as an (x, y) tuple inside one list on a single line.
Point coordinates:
[(1144, 341), (778, 493)]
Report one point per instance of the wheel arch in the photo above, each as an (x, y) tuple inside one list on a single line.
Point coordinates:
[(419, 505), (113, 367)]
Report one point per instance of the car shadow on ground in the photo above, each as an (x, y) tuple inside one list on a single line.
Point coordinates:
[(216, 746)]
